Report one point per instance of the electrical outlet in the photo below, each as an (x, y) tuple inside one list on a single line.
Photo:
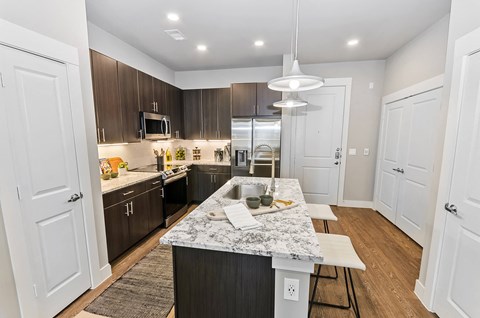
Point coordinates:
[(366, 151), (290, 291)]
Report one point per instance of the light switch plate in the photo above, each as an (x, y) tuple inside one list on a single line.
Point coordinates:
[(366, 151), (352, 151)]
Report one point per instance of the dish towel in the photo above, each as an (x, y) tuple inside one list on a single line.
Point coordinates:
[(240, 217)]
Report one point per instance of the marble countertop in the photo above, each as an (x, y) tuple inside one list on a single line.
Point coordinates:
[(285, 234), (125, 180)]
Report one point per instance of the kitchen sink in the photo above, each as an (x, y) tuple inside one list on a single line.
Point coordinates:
[(241, 191)]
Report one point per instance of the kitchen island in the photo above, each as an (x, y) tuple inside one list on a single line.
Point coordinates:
[(223, 272)]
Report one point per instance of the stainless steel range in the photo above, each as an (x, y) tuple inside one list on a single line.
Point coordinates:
[(175, 184)]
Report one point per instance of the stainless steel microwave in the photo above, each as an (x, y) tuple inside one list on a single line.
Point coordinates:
[(155, 126)]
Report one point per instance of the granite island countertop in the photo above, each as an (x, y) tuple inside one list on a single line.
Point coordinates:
[(285, 234)]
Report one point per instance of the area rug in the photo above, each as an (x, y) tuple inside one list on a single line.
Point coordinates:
[(144, 291)]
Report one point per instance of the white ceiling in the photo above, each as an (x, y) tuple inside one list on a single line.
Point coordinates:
[(229, 28)]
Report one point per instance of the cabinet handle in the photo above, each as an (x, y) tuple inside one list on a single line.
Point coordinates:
[(129, 192), (98, 135), (256, 109), (103, 133), (140, 134), (128, 210), (187, 181), (214, 178), (153, 106), (162, 193), (211, 178), (219, 134), (156, 182), (131, 207)]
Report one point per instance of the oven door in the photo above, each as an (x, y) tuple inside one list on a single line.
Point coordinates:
[(175, 198)]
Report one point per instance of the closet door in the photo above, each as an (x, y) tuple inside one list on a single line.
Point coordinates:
[(418, 142), (391, 158)]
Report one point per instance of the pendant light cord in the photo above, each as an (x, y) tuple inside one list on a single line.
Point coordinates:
[(296, 30)]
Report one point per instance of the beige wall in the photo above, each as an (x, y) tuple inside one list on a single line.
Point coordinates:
[(463, 19), (364, 121), (420, 59), (66, 22)]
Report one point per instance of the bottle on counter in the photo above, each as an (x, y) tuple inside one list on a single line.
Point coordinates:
[(168, 155)]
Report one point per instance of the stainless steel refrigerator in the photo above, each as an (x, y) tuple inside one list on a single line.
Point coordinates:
[(248, 133)]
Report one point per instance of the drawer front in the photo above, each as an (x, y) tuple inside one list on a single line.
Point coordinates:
[(214, 169), (122, 194), (153, 183)]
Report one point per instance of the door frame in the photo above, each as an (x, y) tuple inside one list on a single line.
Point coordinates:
[(464, 46), (419, 88), (17, 37), (287, 169)]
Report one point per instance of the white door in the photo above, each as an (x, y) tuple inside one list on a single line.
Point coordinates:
[(390, 158), (458, 287), (318, 142), (419, 137), (36, 96)]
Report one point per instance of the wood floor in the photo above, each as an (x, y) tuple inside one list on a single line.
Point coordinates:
[(384, 290)]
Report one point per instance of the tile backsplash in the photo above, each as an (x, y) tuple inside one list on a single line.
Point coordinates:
[(141, 154)]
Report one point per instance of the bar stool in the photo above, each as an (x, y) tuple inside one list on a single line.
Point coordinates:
[(338, 251), (321, 212)]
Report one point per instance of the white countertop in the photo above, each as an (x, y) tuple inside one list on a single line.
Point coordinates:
[(285, 234), (126, 179)]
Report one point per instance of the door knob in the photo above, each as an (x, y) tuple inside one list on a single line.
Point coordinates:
[(451, 208), (337, 163), (75, 197)]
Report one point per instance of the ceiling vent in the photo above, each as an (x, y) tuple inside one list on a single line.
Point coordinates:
[(176, 34)]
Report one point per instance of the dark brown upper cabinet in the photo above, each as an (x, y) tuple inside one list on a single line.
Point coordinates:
[(107, 98), (192, 113), (129, 98), (207, 114), (152, 94), (254, 99), (174, 105), (145, 86)]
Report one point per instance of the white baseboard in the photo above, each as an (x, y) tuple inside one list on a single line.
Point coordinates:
[(356, 204), (102, 275), (420, 292)]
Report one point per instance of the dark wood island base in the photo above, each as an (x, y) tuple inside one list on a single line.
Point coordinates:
[(210, 284)]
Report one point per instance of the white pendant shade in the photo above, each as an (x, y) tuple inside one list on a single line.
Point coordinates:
[(292, 100), (295, 81)]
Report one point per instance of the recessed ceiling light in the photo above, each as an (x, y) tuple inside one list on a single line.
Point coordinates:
[(173, 17), (201, 47), (259, 43), (353, 42)]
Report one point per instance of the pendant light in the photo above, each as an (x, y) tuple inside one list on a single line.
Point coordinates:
[(296, 80), (292, 100)]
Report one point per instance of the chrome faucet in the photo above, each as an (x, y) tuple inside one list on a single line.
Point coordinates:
[(252, 164)]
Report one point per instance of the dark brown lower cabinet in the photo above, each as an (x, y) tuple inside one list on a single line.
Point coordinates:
[(116, 227), (155, 208), (215, 284), (210, 179), (131, 214), (205, 185)]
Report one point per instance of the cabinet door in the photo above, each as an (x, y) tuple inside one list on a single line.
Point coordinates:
[(224, 114), (265, 99), (191, 184), (107, 99), (205, 185), (221, 179), (145, 85), (244, 99), (116, 228), (128, 85), (175, 112), (160, 96), (138, 219), (155, 208), (209, 111), (192, 111)]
